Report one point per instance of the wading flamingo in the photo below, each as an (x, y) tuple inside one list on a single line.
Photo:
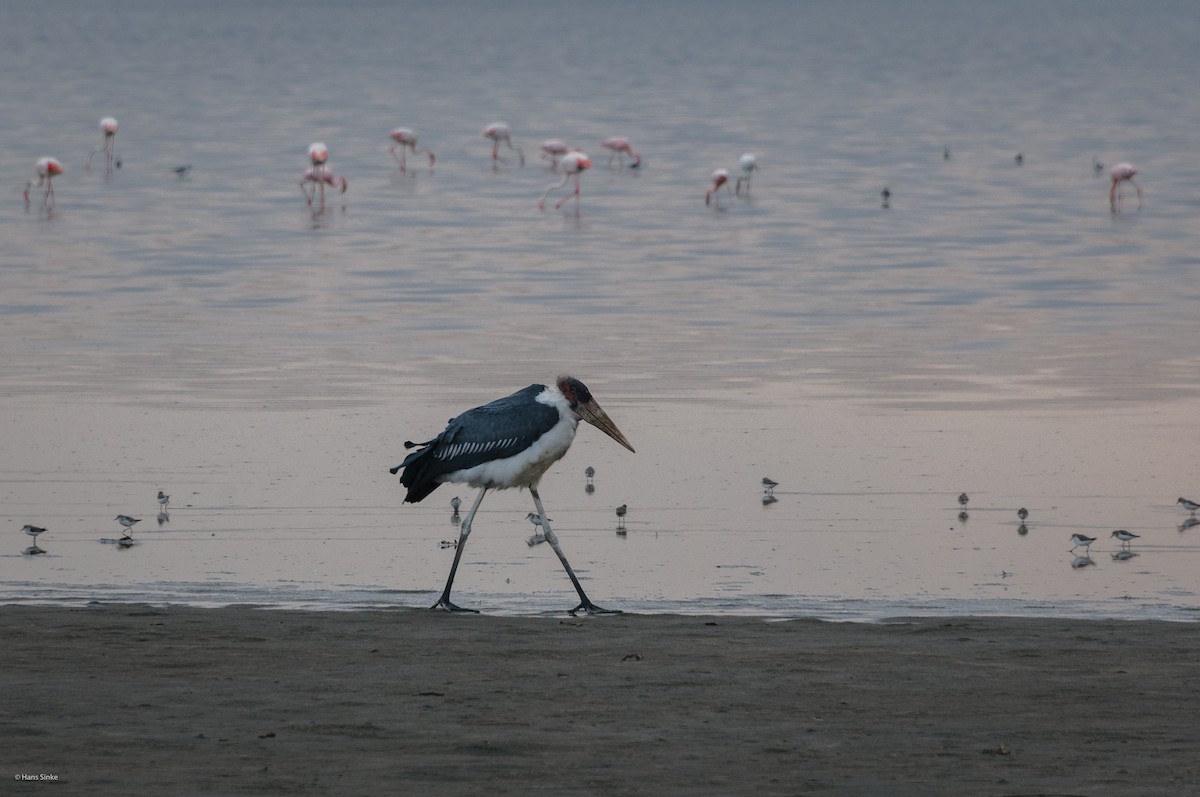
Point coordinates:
[(497, 132), (46, 169), (320, 174), (749, 165), (621, 147), (1122, 172), (108, 127), (720, 178), (406, 139), (553, 149), (573, 164)]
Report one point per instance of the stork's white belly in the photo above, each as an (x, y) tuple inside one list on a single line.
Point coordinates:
[(523, 469)]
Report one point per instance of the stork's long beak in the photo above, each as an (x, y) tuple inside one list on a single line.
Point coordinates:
[(591, 412)]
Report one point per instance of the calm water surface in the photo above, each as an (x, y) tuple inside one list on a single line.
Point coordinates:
[(995, 330)]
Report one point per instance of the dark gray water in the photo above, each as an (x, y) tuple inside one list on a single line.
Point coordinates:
[(995, 329)]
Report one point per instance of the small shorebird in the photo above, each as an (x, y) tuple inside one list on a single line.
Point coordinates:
[(163, 500), (1190, 506), (539, 535), (769, 485), (590, 473), (1126, 537), (127, 522), (1022, 513), (621, 510), (1078, 539), (33, 531), (455, 503), (962, 500)]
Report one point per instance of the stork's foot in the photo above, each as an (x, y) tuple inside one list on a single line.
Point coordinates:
[(445, 605), (590, 608)]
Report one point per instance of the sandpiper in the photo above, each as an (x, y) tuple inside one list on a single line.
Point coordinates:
[(1022, 513), (1190, 506), (1124, 536), (1078, 539), (127, 522), (33, 531), (962, 500), (769, 485), (163, 500)]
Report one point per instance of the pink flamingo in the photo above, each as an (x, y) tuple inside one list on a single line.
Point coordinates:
[(405, 138), (573, 164), (320, 174), (552, 150), (621, 147), (497, 132), (720, 179), (108, 127), (1120, 173), (47, 169)]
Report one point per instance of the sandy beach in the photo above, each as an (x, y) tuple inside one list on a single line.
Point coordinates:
[(140, 700)]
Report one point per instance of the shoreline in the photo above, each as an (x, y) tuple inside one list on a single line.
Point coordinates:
[(148, 700)]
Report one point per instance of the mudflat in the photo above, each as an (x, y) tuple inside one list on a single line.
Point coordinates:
[(141, 700)]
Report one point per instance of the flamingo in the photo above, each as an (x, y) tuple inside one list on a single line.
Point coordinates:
[(108, 126), (320, 174), (720, 178), (553, 149), (1122, 172), (497, 132), (749, 165), (573, 164), (46, 169), (405, 138), (621, 147)]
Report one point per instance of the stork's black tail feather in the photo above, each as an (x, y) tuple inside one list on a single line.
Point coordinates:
[(416, 476)]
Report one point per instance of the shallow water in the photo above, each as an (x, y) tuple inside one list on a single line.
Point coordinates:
[(995, 330)]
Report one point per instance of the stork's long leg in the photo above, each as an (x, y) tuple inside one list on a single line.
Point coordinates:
[(585, 603), (464, 532)]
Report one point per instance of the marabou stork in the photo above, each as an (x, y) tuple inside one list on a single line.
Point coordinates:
[(510, 442)]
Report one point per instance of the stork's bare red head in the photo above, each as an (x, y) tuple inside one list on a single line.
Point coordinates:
[(583, 405)]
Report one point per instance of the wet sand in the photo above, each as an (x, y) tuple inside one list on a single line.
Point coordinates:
[(138, 700)]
